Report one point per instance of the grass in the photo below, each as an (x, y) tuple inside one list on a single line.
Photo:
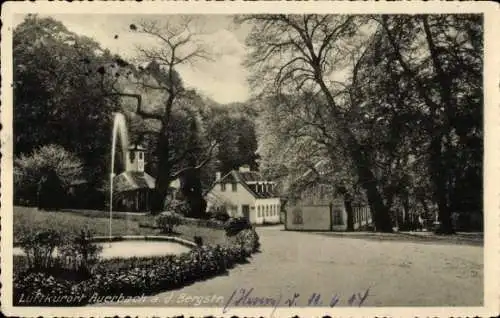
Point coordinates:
[(26, 218)]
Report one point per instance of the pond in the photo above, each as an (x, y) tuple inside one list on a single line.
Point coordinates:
[(134, 248)]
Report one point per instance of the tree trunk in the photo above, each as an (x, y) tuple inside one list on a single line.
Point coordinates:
[(192, 191), (438, 177), (406, 207), (158, 196), (163, 173), (380, 212), (350, 214)]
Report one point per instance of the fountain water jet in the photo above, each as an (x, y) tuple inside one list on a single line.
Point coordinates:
[(119, 128)]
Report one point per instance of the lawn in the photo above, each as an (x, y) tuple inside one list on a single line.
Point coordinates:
[(26, 218)]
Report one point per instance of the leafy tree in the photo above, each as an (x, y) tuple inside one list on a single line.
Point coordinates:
[(44, 161), (236, 132), (402, 72), (297, 55), (56, 100), (440, 57)]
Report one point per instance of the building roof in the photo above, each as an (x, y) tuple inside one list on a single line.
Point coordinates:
[(133, 180), (244, 177)]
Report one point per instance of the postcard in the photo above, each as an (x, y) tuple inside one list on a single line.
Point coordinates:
[(250, 158)]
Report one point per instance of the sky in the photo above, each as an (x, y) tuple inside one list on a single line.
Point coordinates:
[(223, 79)]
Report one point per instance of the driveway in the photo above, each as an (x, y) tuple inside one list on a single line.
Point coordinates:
[(378, 272)]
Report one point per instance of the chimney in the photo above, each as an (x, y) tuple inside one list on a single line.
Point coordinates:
[(217, 176)]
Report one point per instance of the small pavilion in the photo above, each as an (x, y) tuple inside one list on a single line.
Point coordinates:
[(132, 188)]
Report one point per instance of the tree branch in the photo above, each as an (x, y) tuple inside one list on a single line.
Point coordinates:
[(200, 165)]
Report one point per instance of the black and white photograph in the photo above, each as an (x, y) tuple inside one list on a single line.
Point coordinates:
[(248, 163)]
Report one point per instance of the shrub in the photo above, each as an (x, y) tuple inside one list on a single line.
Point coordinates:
[(133, 276), (167, 221), (219, 211), (44, 286), (80, 253), (147, 222), (247, 240), (220, 215), (234, 225), (214, 223), (39, 247), (29, 169), (50, 250), (50, 192), (177, 206), (198, 240)]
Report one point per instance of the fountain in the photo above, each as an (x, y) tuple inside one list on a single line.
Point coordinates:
[(163, 245), (119, 128), (130, 245)]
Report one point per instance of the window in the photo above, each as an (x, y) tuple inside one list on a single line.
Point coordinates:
[(141, 155), (258, 211), (235, 187), (267, 210), (223, 187)]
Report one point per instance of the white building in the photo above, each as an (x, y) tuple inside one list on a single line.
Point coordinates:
[(246, 193)]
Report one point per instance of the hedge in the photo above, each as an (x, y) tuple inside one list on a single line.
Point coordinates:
[(130, 276)]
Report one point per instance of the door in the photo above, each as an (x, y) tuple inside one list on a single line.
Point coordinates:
[(246, 211)]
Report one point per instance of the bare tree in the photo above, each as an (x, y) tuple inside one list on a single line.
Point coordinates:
[(177, 44)]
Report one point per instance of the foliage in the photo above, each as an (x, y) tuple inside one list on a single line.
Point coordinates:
[(235, 225), (39, 247), (209, 223), (133, 276), (128, 276), (58, 249), (29, 170), (58, 68), (219, 209), (167, 221), (174, 115), (398, 71), (80, 253), (303, 53), (235, 129), (221, 216), (179, 207), (248, 239)]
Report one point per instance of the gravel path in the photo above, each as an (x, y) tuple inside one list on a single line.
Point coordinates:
[(397, 273)]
